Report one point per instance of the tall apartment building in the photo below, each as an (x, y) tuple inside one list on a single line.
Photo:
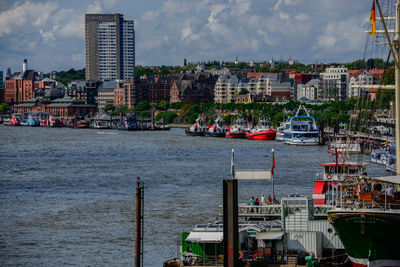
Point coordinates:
[(110, 47), (335, 84), (1, 87)]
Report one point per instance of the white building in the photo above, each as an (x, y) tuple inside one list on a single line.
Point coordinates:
[(310, 90), (335, 84), (227, 88), (359, 77)]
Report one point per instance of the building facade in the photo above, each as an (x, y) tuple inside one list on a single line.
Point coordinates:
[(359, 77), (309, 91), (228, 88), (1, 87), (110, 47), (21, 86), (335, 84)]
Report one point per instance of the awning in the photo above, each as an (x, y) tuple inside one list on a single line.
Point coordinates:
[(269, 235), (205, 237), (388, 179), (319, 187)]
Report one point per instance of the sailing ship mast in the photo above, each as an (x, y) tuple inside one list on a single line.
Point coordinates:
[(395, 49)]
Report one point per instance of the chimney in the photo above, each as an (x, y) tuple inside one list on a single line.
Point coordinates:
[(25, 65)]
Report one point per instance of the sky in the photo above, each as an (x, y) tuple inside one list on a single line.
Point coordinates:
[(50, 34)]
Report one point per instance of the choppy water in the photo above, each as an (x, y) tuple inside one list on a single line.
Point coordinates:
[(67, 195)]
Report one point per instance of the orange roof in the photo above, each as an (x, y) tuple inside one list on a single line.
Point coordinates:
[(354, 73), (377, 71)]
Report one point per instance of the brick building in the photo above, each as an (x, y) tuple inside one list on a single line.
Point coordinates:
[(193, 88), (159, 89), (20, 86)]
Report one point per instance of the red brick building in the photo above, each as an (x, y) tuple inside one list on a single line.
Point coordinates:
[(64, 107), (21, 86), (159, 89), (193, 88)]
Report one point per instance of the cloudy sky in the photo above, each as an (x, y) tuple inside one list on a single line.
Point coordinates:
[(50, 34)]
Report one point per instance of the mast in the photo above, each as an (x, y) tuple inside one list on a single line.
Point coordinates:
[(397, 84), (394, 47)]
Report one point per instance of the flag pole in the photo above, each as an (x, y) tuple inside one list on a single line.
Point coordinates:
[(233, 164), (272, 175)]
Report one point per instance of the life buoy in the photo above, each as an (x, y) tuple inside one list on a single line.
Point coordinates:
[(192, 261), (240, 255), (328, 176)]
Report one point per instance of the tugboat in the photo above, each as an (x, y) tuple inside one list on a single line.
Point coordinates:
[(239, 129), (129, 123), (55, 121), (218, 129), (198, 128), (33, 121), (262, 131)]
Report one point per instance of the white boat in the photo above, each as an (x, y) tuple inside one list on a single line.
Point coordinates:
[(381, 157), (280, 129), (102, 123), (302, 130), (343, 144)]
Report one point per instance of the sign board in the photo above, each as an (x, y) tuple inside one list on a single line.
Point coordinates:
[(253, 175)]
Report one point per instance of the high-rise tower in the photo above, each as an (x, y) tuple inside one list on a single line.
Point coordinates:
[(110, 47)]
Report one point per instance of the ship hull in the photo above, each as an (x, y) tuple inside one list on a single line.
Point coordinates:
[(236, 135), (262, 135), (370, 238)]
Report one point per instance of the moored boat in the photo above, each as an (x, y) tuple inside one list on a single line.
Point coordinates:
[(239, 129), (198, 128), (368, 223), (262, 131), (218, 129), (302, 130), (381, 157), (129, 123), (55, 121)]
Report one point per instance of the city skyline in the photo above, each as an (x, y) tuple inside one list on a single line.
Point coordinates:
[(169, 31)]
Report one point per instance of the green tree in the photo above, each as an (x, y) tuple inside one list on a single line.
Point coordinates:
[(145, 114), (4, 107), (120, 109), (169, 116), (109, 107), (144, 105), (243, 91)]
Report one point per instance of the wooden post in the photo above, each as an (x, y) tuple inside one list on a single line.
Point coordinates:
[(139, 225), (231, 229)]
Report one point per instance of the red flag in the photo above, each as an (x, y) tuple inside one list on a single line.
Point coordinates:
[(273, 164)]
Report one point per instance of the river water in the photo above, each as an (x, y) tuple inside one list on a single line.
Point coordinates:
[(68, 195)]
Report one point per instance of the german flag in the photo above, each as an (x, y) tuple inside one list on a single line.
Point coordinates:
[(372, 18)]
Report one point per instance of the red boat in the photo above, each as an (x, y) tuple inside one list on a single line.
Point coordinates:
[(263, 131), (262, 135), (82, 124)]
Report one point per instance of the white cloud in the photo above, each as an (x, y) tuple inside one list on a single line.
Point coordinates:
[(341, 36), (186, 32), (96, 7), (285, 2), (21, 16), (283, 16), (302, 17)]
